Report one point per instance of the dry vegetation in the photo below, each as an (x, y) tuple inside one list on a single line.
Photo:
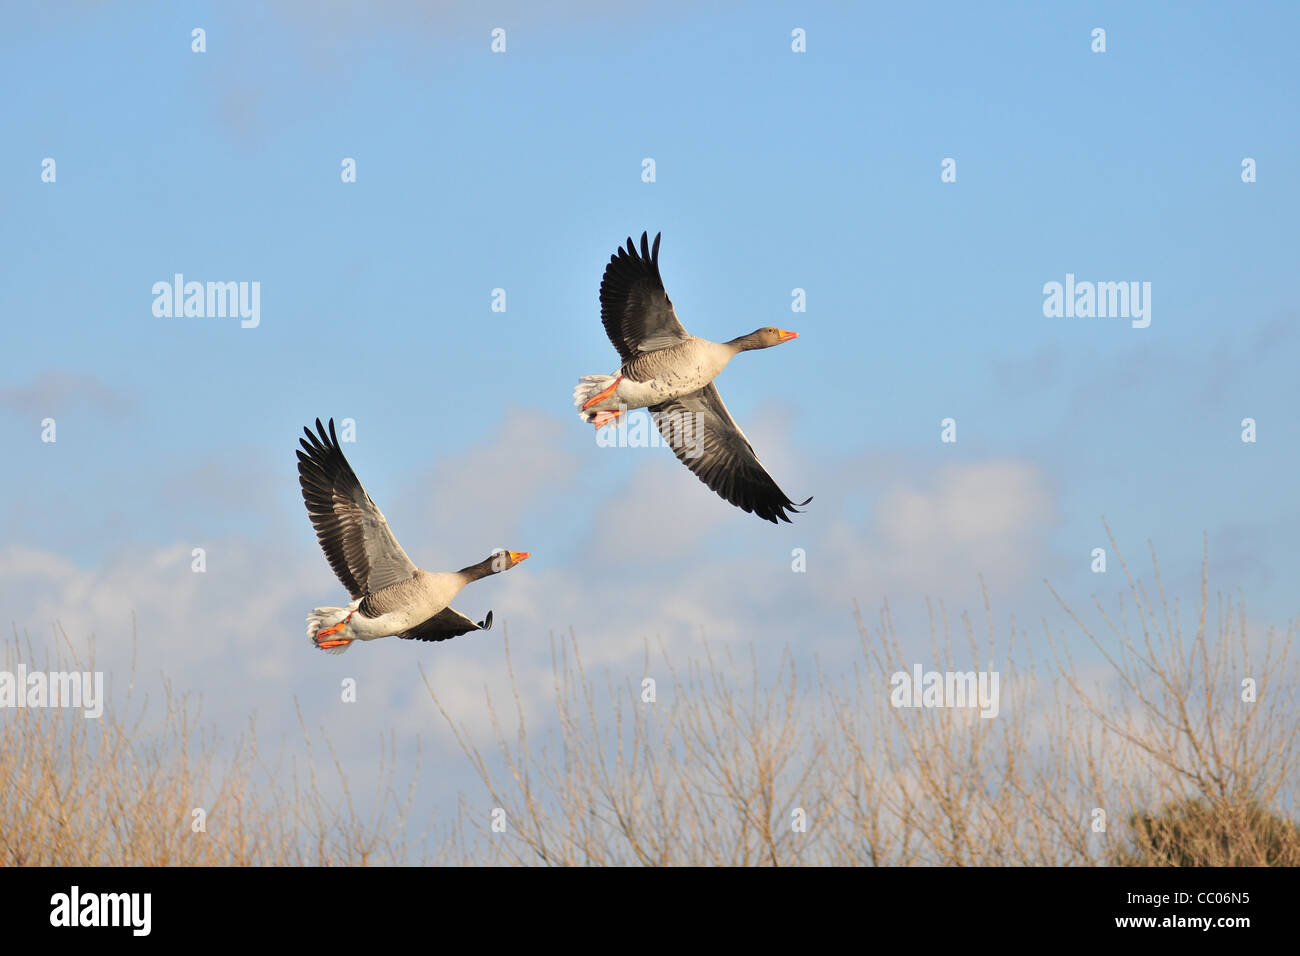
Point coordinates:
[(1156, 760), (1159, 744), (120, 790)]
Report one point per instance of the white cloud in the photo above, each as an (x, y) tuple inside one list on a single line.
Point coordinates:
[(56, 392), (934, 537)]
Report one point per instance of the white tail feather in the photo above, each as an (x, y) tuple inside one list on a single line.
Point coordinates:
[(588, 387), (322, 617)]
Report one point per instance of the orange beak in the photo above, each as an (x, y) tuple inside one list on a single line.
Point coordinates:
[(787, 336), (517, 556)]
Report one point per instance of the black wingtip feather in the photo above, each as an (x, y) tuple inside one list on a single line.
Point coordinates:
[(323, 472), (793, 508), (319, 440)]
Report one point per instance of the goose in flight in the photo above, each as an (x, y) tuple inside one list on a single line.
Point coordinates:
[(671, 372), (390, 595)]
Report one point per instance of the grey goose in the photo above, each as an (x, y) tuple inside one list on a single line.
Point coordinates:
[(670, 372), (390, 595)]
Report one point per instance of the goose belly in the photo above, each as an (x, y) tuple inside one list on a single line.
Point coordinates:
[(385, 625), (662, 388)]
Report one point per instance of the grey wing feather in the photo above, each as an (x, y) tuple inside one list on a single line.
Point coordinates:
[(351, 529), (446, 624), (410, 593), (634, 308), (707, 440)]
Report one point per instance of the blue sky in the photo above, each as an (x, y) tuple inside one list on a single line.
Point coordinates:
[(522, 171)]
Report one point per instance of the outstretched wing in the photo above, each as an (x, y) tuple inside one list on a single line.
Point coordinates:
[(637, 314), (707, 440), (349, 526), (444, 625)]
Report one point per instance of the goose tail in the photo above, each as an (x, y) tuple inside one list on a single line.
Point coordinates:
[(591, 390), (327, 628)]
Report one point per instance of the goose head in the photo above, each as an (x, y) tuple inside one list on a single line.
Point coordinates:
[(494, 563), (763, 339), (505, 560)]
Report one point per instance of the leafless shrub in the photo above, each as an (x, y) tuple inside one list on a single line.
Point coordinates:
[(719, 771), (1161, 758), (121, 789)]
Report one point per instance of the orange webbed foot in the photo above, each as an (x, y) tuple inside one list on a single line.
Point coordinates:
[(330, 631), (598, 398)]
